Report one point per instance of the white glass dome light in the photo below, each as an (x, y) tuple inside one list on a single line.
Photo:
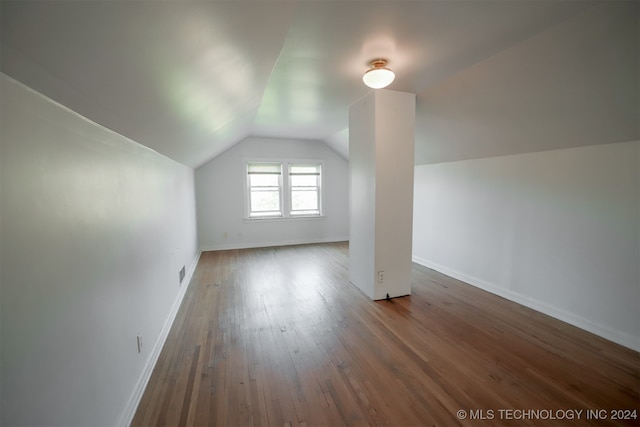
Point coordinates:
[(378, 76)]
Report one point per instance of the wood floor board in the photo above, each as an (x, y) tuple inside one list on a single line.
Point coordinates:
[(279, 337)]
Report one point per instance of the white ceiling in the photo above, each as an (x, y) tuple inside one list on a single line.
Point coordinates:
[(191, 78)]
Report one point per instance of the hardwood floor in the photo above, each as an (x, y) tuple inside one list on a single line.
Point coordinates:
[(278, 337)]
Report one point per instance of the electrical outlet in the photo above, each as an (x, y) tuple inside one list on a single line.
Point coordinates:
[(380, 276), (139, 340)]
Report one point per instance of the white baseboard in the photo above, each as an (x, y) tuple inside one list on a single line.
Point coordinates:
[(134, 400), (603, 331), (224, 247)]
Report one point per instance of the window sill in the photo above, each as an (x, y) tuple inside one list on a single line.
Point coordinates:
[(285, 218)]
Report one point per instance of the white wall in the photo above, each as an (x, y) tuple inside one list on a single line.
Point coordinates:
[(94, 231), (381, 141), (362, 184), (395, 134), (557, 231), (220, 195)]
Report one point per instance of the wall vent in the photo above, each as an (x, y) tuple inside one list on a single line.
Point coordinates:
[(182, 274)]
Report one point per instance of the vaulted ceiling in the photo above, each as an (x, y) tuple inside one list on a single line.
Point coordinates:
[(191, 78)]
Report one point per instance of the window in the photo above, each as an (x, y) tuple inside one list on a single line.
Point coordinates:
[(287, 189), (265, 183), (304, 185)]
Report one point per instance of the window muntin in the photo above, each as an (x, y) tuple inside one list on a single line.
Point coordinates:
[(265, 189)]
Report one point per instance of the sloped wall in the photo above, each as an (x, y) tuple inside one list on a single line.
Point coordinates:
[(574, 84), (94, 229)]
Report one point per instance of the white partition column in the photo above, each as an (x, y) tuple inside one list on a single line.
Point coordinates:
[(381, 157)]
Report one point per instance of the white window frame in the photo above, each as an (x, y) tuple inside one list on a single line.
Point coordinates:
[(318, 187), (285, 189), (248, 189)]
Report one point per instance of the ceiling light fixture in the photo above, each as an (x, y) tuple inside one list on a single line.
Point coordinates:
[(378, 76)]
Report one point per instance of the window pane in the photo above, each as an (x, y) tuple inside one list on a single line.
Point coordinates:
[(264, 180), (262, 201), (304, 180), (304, 200)]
